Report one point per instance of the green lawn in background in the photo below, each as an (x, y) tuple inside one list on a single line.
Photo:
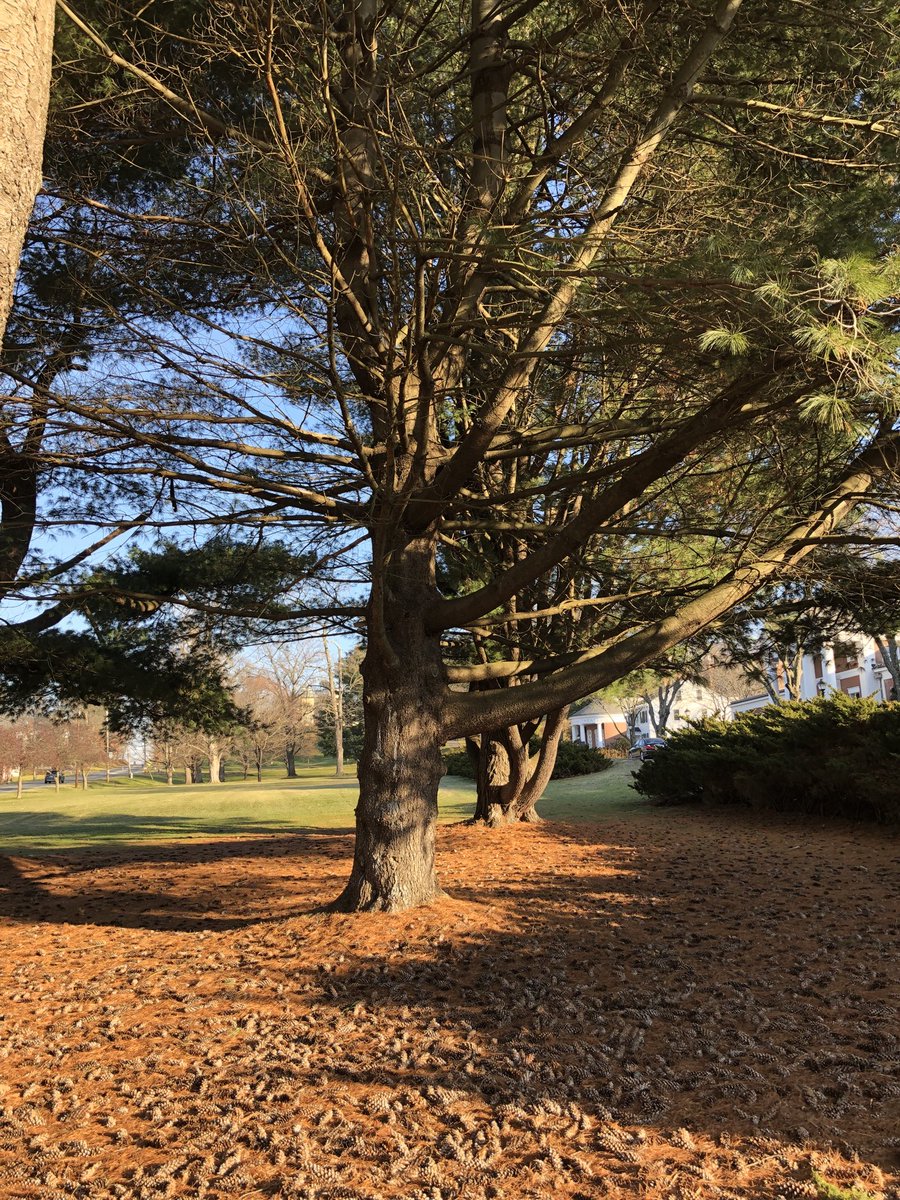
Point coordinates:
[(140, 810)]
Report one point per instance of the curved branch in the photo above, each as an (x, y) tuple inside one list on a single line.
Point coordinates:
[(465, 714)]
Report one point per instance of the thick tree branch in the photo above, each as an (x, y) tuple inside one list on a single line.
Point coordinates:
[(424, 508), (645, 468), (467, 714)]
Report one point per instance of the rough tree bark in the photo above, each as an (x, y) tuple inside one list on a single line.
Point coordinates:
[(509, 780), (26, 47), (492, 778), (400, 767), (26, 44), (526, 803)]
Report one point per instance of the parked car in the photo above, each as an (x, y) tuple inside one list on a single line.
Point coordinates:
[(50, 777), (644, 746), (651, 746)]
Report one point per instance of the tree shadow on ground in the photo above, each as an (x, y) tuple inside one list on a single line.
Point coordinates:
[(677, 1007), (47, 887), (745, 989)]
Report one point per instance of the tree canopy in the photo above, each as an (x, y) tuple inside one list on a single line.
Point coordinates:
[(491, 312)]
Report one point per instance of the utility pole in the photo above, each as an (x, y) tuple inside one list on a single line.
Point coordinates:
[(106, 738), (336, 695)]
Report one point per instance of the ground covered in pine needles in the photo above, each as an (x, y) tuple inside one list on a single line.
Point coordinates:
[(669, 1003)]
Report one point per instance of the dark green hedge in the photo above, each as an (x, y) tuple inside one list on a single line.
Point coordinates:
[(573, 758), (836, 756), (458, 763)]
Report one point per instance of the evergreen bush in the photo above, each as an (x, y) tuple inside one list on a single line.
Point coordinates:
[(837, 756), (572, 758)]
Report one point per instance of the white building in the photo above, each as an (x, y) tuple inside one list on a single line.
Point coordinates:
[(598, 722), (852, 664)]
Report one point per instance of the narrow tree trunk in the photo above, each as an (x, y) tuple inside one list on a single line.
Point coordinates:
[(400, 766), (170, 775), (56, 780), (336, 695), (890, 655), (19, 784), (525, 806), (339, 718), (290, 761)]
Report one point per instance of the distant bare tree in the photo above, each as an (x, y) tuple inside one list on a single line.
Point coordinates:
[(286, 675)]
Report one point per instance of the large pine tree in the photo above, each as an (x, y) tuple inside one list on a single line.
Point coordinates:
[(597, 278)]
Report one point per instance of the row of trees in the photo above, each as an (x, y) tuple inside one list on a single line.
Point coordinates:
[(290, 703), (34, 745), (526, 344), (284, 711)]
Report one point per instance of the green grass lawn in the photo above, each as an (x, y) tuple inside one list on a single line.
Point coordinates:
[(140, 810)]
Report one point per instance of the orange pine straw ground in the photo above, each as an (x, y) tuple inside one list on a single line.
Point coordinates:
[(677, 1004)]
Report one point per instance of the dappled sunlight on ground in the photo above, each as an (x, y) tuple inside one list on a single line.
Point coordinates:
[(677, 1005)]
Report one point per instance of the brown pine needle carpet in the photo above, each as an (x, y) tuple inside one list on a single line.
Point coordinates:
[(673, 1003)]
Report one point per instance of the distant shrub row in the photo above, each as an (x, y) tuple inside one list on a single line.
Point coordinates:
[(573, 758), (837, 756)]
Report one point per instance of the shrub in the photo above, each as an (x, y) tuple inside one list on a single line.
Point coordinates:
[(575, 758), (572, 758), (458, 763), (617, 747), (837, 756)]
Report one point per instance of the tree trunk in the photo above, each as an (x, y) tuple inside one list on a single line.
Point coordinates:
[(336, 695), (525, 805), (400, 766), (170, 775), (290, 761), (492, 780), (26, 44), (19, 784), (890, 655), (509, 781), (215, 762)]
